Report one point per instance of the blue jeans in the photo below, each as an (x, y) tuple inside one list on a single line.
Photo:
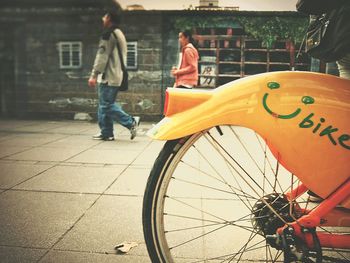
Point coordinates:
[(344, 66), (109, 111)]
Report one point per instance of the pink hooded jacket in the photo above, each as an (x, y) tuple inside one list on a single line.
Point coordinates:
[(188, 73)]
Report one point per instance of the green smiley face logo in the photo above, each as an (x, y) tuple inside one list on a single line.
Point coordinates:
[(275, 85)]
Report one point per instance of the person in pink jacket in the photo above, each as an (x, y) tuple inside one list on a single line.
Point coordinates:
[(186, 76)]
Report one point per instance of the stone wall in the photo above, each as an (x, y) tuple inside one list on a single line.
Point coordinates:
[(145, 96), (32, 83), (35, 85), (51, 90)]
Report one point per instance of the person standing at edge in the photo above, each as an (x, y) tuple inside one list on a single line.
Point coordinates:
[(107, 74), (336, 39), (187, 75)]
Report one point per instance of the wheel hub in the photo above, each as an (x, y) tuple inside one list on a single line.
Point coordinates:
[(266, 221)]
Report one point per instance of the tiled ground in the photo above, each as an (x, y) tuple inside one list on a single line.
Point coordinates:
[(67, 198)]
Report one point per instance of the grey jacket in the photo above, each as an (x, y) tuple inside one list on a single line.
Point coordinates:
[(107, 68)]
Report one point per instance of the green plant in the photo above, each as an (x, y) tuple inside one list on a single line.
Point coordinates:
[(268, 29)]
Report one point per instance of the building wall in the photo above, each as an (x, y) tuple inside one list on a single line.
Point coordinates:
[(32, 82), (51, 90), (7, 60), (145, 96), (34, 85), (213, 3)]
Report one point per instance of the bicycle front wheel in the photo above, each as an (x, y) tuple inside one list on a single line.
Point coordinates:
[(203, 199)]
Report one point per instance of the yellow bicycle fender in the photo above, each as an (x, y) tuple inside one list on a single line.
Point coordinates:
[(302, 114)]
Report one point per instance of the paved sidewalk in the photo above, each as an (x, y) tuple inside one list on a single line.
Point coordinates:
[(67, 198)]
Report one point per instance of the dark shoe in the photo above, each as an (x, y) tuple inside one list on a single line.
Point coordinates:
[(135, 124), (314, 197), (100, 137), (97, 137), (111, 138)]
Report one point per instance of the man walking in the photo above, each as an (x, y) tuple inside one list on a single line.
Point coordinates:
[(107, 74)]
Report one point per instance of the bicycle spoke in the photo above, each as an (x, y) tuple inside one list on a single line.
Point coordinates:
[(243, 247), (268, 252), (232, 223), (265, 161), (197, 209), (193, 218), (217, 217), (265, 155), (211, 176), (230, 166), (217, 189), (278, 255), (224, 224), (245, 180), (191, 228), (229, 256), (246, 202), (246, 173), (250, 250), (210, 164), (192, 239), (255, 162), (230, 186)]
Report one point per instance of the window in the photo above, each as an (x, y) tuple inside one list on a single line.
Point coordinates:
[(70, 54), (131, 60)]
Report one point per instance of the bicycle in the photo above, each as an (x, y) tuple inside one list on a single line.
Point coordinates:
[(231, 182)]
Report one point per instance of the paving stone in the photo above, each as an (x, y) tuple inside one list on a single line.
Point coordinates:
[(80, 257), (90, 130), (73, 141), (73, 128), (20, 255), (42, 126), (111, 221), (74, 179), (30, 139), (32, 219), (123, 143), (9, 125), (131, 182), (106, 156), (141, 134), (149, 155), (47, 154), (95, 165), (14, 173), (36, 214), (5, 136), (121, 132), (6, 151), (69, 164)]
